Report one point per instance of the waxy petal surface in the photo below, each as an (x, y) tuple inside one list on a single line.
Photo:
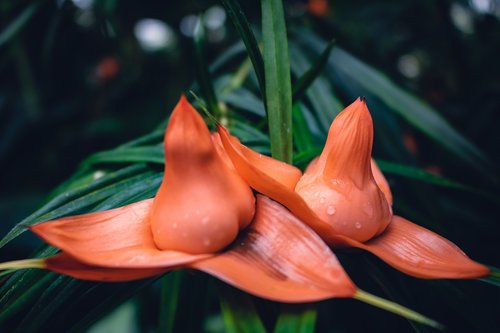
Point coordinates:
[(118, 237), (340, 186), (422, 253), (285, 174), (262, 182), (64, 264), (202, 203), (382, 183), (280, 258)]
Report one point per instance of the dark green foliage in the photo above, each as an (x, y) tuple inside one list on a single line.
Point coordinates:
[(55, 112)]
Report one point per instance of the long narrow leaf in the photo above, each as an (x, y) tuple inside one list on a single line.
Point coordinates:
[(147, 154), (300, 87), (239, 312), (418, 113), (170, 289), (320, 95), (240, 21), (78, 205), (203, 74), (19, 22), (278, 81), (296, 319)]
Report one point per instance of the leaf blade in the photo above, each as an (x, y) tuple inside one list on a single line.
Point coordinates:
[(278, 81)]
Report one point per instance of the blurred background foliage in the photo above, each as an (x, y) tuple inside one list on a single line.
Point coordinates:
[(81, 76)]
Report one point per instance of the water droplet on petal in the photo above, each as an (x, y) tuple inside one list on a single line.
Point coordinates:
[(322, 200), (368, 209), (357, 225), (330, 210)]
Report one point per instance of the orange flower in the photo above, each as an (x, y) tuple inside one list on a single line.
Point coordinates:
[(205, 217), (345, 198)]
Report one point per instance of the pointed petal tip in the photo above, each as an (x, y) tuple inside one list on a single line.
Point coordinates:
[(421, 253)]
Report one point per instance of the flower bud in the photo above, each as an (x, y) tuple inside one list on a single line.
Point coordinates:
[(202, 203), (339, 186)]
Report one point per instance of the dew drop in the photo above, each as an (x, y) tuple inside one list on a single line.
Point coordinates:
[(368, 209), (330, 210), (357, 225), (322, 200), (316, 194)]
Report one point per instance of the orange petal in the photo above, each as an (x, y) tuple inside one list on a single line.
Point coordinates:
[(262, 182), (422, 253), (340, 187), (279, 258), (118, 237), (65, 264), (285, 174), (382, 183), (201, 204)]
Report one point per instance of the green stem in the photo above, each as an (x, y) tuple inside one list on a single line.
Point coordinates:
[(22, 264), (277, 79), (395, 308)]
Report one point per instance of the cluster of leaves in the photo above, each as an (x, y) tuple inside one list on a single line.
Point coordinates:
[(326, 77)]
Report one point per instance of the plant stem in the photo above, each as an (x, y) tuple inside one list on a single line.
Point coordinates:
[(395, 308)]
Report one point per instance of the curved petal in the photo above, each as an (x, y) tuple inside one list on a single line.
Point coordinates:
[(382, 183), (285, 174), (64, 264), (340, 187), (280, 258), (264, 183), (422, 253), (201, 204), (118, 237)]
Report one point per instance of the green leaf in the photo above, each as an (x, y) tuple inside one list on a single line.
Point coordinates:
[(203, 74), (78, 204), (296, 319), (146, 154), (19, 22), (303, 158), (64, 288), (302, 136), (170, 290), (148, 139), (103, 298), (417, 112), (320, 95), (244, 100), (247, 133), (430, 178), (239, 311), (278, 81), (417, 174), (494, 277), (240, 21), (305, 81)]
